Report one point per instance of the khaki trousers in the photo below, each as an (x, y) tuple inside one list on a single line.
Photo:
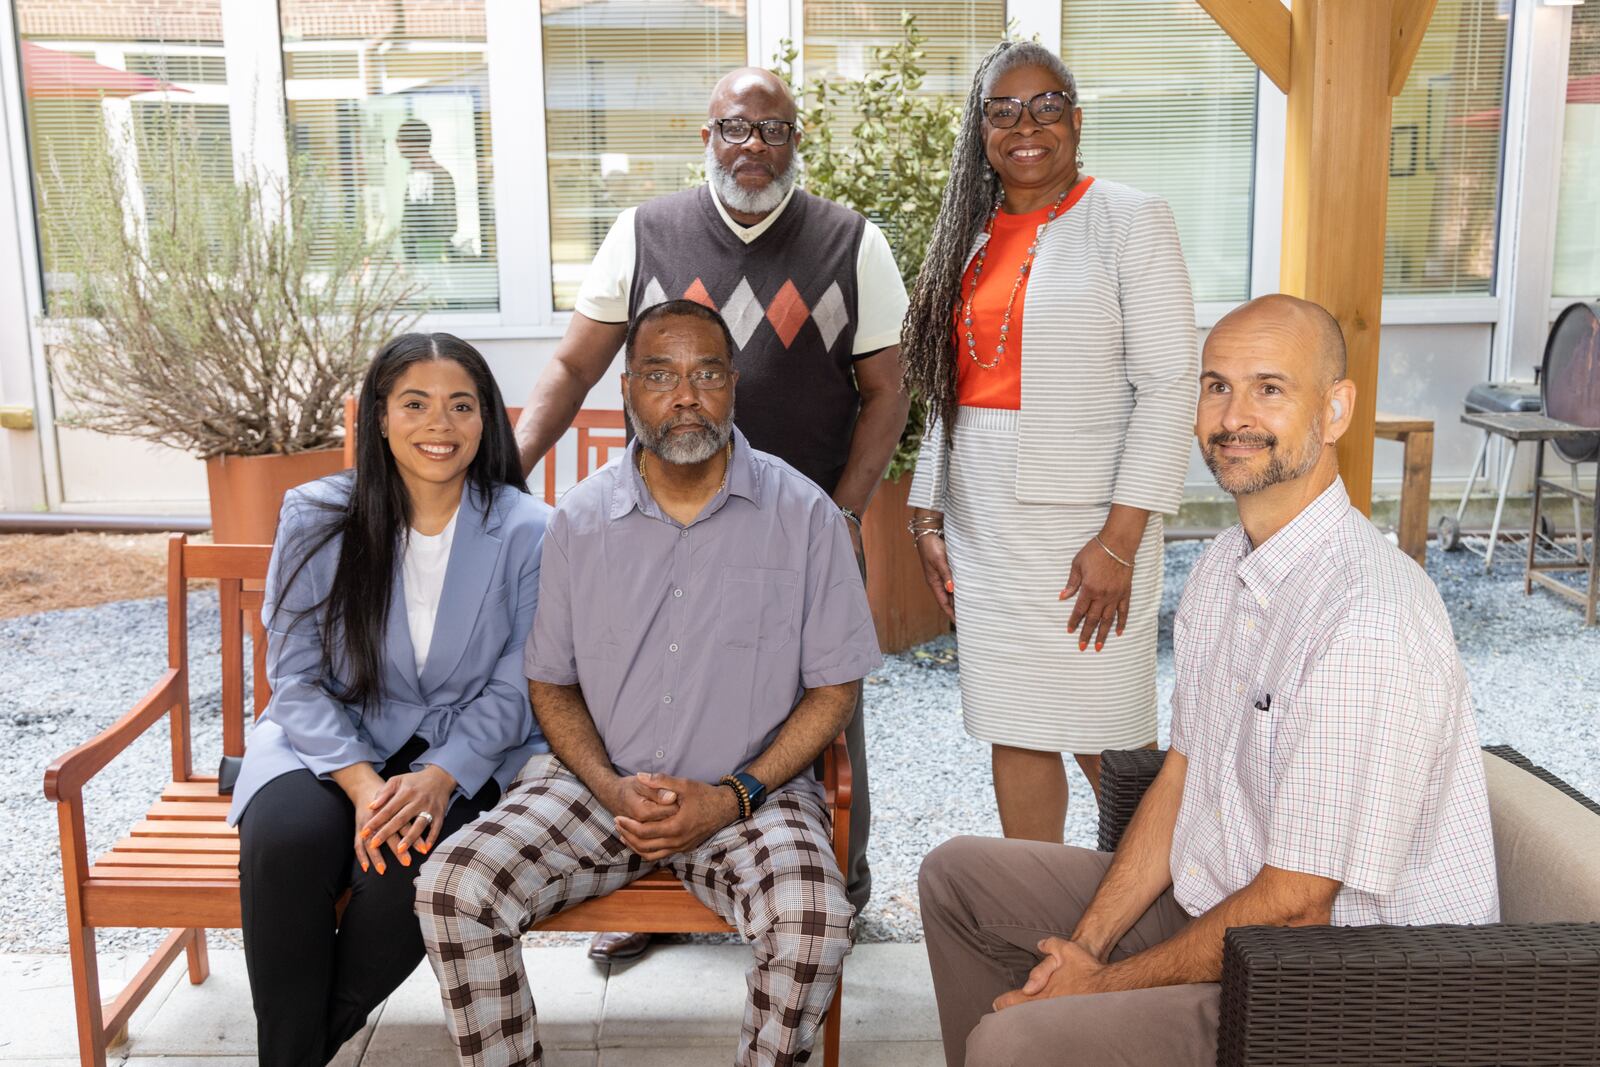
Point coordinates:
[(987, 903)]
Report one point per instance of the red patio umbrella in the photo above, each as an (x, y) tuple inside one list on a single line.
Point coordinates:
[(51, 74)]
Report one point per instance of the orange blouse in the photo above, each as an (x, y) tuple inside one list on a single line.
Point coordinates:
[(999, 386)]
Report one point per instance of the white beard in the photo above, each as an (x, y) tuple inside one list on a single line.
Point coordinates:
[(751, 201)]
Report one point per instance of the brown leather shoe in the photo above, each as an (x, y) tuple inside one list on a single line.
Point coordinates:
[(614, 948)]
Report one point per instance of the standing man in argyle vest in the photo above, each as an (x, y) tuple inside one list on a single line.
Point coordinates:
[(813, 298)]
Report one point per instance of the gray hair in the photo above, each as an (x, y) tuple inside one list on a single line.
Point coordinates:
[(927, 349)]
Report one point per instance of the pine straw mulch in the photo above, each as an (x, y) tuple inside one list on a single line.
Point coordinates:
[(49, 572)]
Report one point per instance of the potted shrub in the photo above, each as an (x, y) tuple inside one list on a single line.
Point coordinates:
[(228, 318), (882, 147)]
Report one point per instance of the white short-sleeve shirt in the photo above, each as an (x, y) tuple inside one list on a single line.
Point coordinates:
[(881, 299)]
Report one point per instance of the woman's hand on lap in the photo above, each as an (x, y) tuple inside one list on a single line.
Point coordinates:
[(394, 814)]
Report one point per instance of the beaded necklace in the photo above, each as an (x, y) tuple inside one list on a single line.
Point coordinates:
[(1022, 274)]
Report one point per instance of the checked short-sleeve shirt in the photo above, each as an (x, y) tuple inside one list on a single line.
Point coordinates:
[(1328, 727)]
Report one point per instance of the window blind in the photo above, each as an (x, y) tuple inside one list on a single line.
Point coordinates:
[(389, 104), (94, 74), (839, 37), (1444, 155), (626, 87), (1169, 107), (1577, 265)]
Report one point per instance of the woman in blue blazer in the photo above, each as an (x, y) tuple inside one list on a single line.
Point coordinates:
[(398, 601)]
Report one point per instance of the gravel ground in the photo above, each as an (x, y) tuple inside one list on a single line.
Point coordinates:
[(1535, 675)]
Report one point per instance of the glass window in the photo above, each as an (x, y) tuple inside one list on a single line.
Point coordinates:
[(121, 75), (1169, 107), (1444, 155), (626, 86), (389, 103), (840, 36), (1577, 267)]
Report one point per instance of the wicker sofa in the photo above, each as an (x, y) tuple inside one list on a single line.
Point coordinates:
[(1525, 991)]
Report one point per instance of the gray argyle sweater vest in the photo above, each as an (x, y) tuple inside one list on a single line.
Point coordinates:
[(789, 298)]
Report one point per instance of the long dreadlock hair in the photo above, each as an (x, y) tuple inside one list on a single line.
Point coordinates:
[(927, 345)]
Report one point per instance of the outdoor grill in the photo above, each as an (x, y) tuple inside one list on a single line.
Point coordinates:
[(1570, 382), (1569, 388)]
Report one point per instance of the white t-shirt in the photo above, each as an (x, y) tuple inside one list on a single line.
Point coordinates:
[(426, 559), (881, 300)]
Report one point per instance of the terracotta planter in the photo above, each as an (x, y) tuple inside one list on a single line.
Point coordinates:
[(247, 491), (903, 607)]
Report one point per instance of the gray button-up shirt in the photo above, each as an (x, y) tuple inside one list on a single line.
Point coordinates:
[(692, 644)]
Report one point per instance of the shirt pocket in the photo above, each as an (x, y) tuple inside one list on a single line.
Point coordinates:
[(758, 607)]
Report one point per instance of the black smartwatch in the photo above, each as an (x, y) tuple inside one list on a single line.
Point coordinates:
[(748, 789)]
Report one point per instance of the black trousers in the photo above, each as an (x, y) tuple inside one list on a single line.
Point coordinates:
[(314, 979)]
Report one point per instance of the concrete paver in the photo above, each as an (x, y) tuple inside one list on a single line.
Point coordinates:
[(678, 1007)]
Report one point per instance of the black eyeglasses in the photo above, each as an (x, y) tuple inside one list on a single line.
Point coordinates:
[(1004, 112), (774, 132)]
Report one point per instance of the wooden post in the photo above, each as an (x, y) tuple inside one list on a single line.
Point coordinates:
[(1346, 60)]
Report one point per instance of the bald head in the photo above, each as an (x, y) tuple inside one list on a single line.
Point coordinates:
[(1298, 329), (754, 92)]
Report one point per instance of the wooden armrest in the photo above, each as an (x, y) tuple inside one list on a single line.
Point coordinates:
[(64, 779), (836, 775)]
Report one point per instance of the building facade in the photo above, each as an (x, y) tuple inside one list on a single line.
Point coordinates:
[(494, 141)]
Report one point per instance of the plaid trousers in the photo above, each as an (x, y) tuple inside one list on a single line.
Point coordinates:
[(549, 844)]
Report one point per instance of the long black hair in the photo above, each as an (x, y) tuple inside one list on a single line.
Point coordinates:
[(376, 516)]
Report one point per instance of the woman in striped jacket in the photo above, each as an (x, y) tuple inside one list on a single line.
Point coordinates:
[(1052, 335)]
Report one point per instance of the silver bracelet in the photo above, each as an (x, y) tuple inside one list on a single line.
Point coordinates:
[(1107, 550), (937, 531)]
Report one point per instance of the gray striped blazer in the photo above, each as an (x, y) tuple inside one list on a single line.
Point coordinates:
[(1110, 362)]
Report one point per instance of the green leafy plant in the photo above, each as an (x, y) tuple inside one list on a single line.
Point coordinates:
[(229, 317), (882, 146)]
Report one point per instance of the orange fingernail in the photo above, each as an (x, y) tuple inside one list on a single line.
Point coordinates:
[(422, 847), (405, 859), (1098, 645), (949, 586), (365, 866), (381, 868), (365, 830), (1082, 646)]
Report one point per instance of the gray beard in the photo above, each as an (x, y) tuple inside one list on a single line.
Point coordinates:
[(681, 449), (1280, 467), (751, 201)]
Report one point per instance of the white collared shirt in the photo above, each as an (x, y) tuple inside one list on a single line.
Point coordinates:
[(881, 299), (1329, 729)]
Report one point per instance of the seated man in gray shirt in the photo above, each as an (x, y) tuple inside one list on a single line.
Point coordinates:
[(701, 624)]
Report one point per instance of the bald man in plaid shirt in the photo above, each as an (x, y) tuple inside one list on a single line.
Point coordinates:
[(1324, 766)]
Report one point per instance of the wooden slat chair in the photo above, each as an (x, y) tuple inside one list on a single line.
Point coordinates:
[(178, 867), (598, 432)]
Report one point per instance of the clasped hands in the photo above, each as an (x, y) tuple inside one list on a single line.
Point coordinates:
[(1067, 969), (659, 816), (389, 813)]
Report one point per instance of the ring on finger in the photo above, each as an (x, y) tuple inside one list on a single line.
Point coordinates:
[(427, 816)]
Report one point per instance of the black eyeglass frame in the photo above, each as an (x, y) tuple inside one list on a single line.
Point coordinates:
[(1032, 106), (788, 129)]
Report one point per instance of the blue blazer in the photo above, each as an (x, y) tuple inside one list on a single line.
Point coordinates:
[(470, 703)]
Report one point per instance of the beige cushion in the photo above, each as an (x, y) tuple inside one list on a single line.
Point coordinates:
[(1546, 846)]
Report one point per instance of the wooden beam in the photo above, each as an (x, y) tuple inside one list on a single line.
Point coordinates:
[(1261, 28), (1407, 23), (1336, 182)]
